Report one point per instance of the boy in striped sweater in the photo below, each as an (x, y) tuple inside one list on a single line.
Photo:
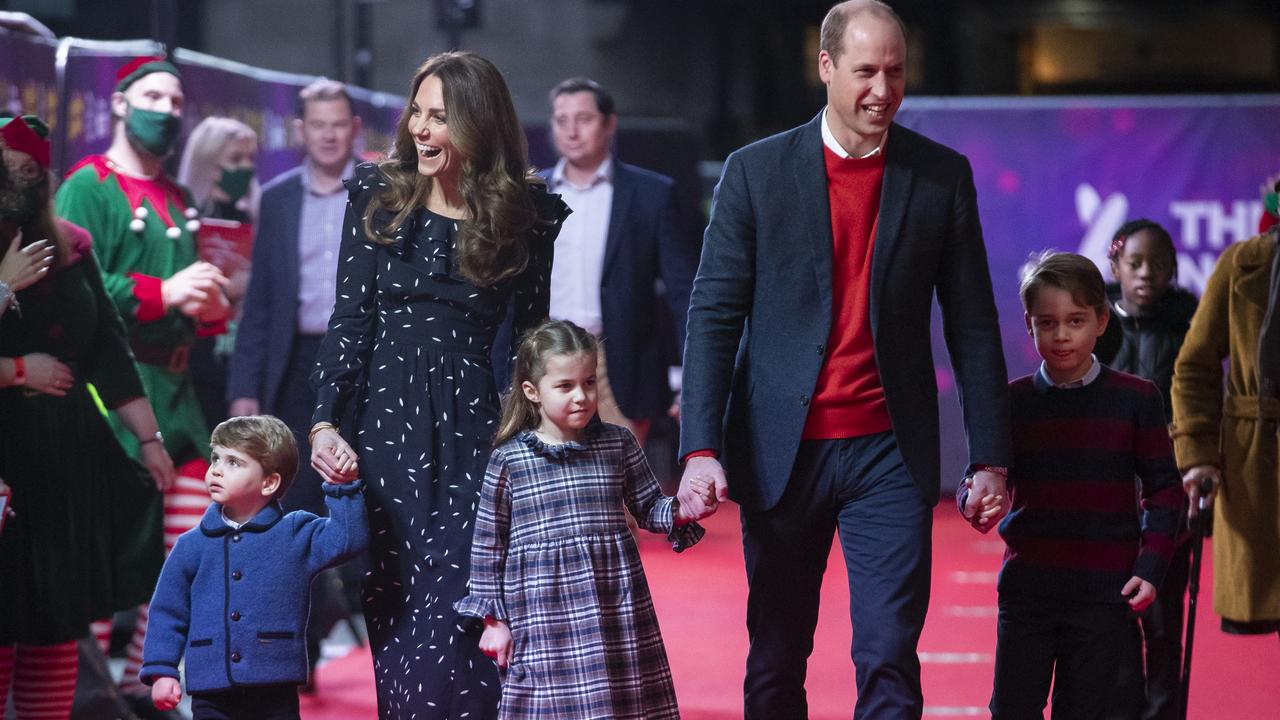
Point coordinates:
[(1086, 549)]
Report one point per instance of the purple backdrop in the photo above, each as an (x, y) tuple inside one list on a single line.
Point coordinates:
[(1065, 173), (263, 99)]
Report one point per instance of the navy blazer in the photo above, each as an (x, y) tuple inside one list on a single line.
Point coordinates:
[(264, 336), (761, 312), (645, 244)]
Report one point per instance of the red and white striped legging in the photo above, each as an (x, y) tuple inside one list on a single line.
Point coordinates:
[(184, 505), (43, 679)]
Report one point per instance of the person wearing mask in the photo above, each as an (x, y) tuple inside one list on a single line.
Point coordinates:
[(84, 540), (144, 228), (218, 165)]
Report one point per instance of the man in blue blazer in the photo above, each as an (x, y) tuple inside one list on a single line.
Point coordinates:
[(622, 239), (291, 290), (808, 369)]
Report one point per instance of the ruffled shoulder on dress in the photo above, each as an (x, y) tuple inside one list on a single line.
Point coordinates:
[(365, 176), (550, 207)]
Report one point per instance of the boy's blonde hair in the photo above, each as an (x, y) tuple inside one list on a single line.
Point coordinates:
[(1066, 271), (266, 439)]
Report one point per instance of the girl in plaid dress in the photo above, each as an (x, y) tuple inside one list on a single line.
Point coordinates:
[(555, 574)]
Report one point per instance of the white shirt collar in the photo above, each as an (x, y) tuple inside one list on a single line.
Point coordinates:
[(829, 139), (230, 523), (1095, 369), (603, 173)]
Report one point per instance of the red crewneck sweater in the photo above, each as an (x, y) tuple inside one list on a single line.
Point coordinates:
[(849, 399)]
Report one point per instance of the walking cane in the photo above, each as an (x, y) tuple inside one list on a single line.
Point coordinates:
[(1198, 526)]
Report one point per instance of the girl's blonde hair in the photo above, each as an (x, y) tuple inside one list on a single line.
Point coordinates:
[(554, 337), (201, 161)]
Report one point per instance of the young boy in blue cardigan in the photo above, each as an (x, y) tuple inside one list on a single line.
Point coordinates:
[(234, 594)]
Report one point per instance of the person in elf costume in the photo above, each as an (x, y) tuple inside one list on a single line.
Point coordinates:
[(144, 228)]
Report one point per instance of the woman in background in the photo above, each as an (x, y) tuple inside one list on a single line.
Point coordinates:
[(218, 166), (85, 539)]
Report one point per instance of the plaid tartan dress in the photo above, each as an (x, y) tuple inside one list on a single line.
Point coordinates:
[(552, 556)]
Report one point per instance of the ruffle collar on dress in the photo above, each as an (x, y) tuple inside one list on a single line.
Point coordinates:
[(561, 451)]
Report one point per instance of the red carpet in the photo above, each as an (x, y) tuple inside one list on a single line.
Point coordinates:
[(701, 599)]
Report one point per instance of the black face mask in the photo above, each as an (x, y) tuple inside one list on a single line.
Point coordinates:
[(19, 203)]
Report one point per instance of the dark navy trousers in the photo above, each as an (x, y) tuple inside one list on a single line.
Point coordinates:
[(858, 489)]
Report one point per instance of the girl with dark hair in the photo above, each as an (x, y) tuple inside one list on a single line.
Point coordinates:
[(85, 538), (555, 574), (1150, 318), (440, 241)]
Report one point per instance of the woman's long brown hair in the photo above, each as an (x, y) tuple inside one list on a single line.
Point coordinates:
[(494, 177)]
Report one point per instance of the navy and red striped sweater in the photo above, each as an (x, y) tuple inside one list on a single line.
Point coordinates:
[(1078, 529)]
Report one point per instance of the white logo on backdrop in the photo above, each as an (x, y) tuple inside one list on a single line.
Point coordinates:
[(1203, 228)]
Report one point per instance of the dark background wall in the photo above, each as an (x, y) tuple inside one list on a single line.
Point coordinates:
[(727, 71)]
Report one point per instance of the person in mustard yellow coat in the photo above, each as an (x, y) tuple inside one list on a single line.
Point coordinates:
[(1230, 441)]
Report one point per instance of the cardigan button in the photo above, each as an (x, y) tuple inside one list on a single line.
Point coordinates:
[(804, 400), (236, 575), (235, 616), (822, 349), (235, 538), (235, 657)]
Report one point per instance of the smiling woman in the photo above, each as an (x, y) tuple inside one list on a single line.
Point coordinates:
[(441, 241)]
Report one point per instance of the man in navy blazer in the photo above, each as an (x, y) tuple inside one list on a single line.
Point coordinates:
[(622, 239), (291, 291), (808, 368)]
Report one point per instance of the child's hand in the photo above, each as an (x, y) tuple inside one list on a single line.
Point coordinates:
[(982, 511), (705, 489), (1143, 593), (495, 641), (166, 693)]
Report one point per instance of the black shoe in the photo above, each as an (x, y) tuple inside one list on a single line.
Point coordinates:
[(146, 710)]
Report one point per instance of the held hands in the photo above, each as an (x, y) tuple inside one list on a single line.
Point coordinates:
[(987, 502), (699, 473), (332, 457), (1195, 479), (1140, 593), (166, 693), (23, 266), (196, 291), (705, 489), (495, 641)]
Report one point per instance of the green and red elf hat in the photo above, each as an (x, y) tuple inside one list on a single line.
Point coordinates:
[(26, 134), (140, 67)]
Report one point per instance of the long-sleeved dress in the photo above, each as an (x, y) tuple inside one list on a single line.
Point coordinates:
[(407, 353), (554, 559), (86, 538)]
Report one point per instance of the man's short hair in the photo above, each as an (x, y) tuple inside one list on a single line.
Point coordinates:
[(264, 438), (604, 101), (1066, 271), (322, 89), (831, 38)]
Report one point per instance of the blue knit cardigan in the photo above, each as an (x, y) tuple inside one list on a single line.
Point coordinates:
[(235, 602)]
